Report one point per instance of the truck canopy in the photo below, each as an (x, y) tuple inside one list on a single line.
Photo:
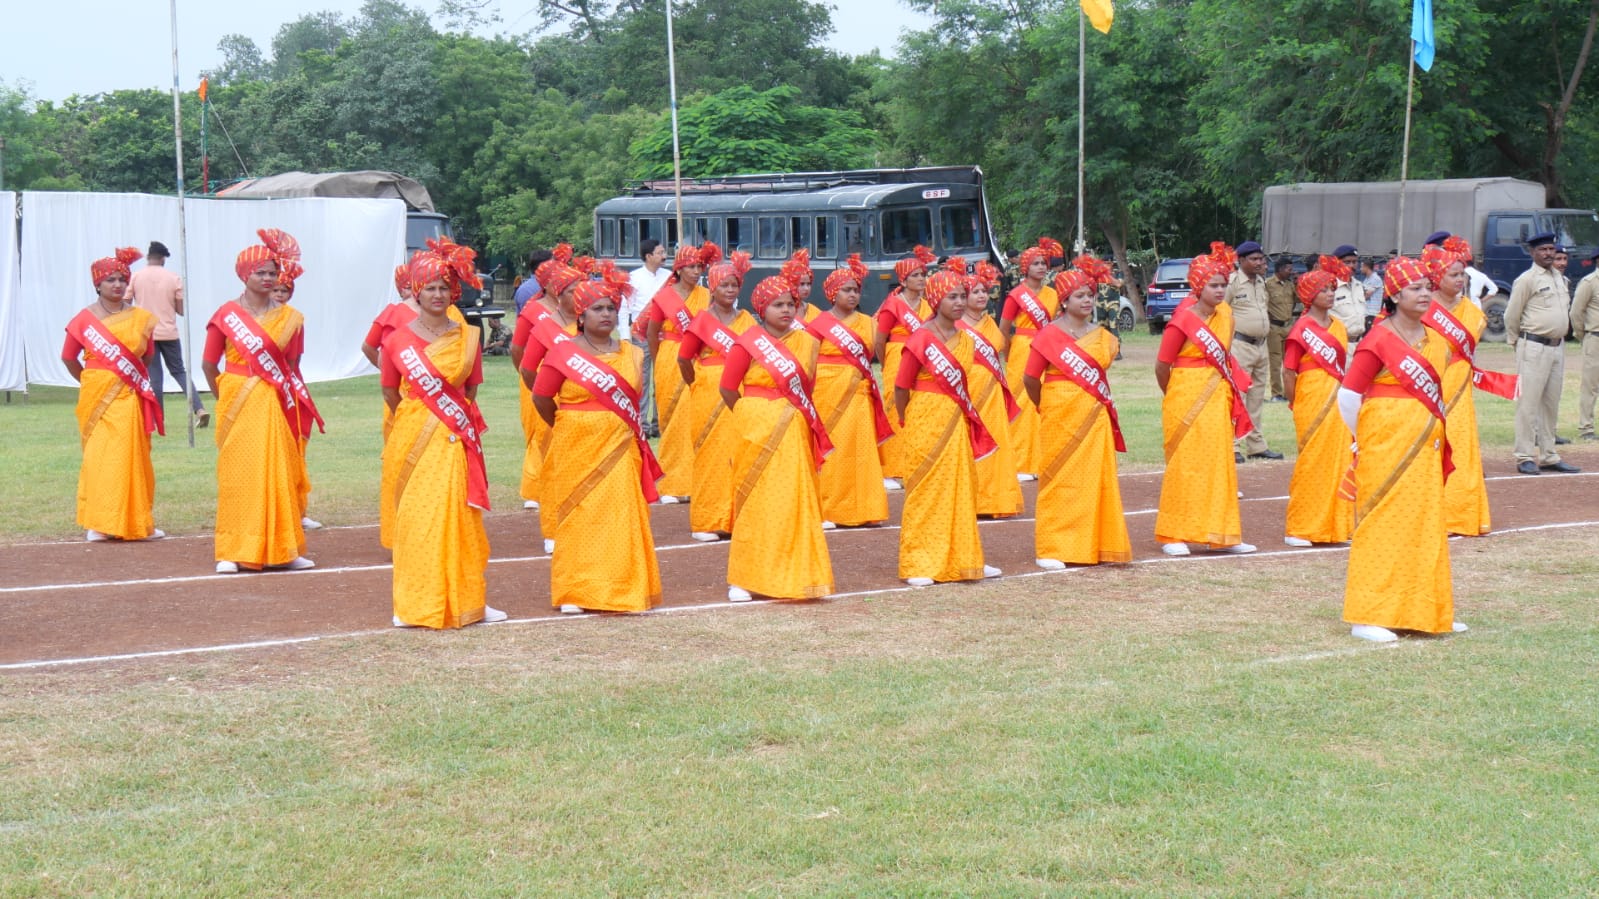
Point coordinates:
[(1315, 218), (367, 185)]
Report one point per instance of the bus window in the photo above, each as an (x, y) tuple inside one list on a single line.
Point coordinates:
[(799, 233), (702, 229), (652, 228), (671, 233), (769, 243), (958, 228), (903, 229), (854, 242), (826, 237), (629, 245), (740, 233), (607, 237)]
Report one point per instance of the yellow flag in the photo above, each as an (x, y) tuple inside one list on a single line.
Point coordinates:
[(1100, 14)]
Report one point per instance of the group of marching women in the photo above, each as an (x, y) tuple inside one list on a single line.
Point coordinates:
[(775, 428)]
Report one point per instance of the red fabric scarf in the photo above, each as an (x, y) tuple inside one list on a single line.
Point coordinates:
[(712, 333), (1199, 334), (1320, 346), (949, 378), (1415, 374), (986, 356), (896, 306), (1465, 345), (1062, 352), (672, 306), (1031, 305), (113, 355), (447, 403), (616, 395), (265, 360), (769, 353), (826, 326)]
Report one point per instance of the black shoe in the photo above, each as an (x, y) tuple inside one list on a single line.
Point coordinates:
[(1528, 467), (1588, 438), (1238, 457), (1561, 441), (1271, 455), (1279, 398), (1562, 467)]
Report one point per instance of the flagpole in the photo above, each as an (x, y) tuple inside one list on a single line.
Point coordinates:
[(1404, 157), (677, 152), (183, 231), (1082, 58)]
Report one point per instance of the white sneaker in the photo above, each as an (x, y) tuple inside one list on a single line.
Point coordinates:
[(706, 536), (94, 536), (308, 523), (549, 546), (1236, 549), (1050, 564), (991, 571), (1373, 633), (1174, 549), (492, 615), (530, 504), (919, 581), (1024, 477), (399, 623), (737, 594), (829, 526), (1296, 541), (571, 609), (892, 484), (1459, 627), (299, 563), (157, 534), (671, 500), (227, 568)]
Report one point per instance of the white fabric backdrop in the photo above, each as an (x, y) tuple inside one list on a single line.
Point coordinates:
[(350, 250), (13, 372)]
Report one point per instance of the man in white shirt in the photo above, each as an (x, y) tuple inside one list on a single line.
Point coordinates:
[(647, 280), (159, 289)]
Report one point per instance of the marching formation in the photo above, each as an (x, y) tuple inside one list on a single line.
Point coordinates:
[(775, 428)]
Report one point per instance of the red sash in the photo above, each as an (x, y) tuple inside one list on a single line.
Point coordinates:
[(985, 355), (1061, 351), (265, 360), (1465, 345), (1186, 320), (791, 381), (1319, 345), (617, 396), (949, 378), (896, 306), (1415, 374), (826, 326), (113, 355), (672, 306), (1030, 305), (712, 333), (447, 403)]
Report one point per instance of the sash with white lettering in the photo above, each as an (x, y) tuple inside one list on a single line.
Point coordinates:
[(1200, 335), (617, 396), (1464, 344), (673, 307), (949, 378), (447, 403), (791, 381), (265, 359), (1416, 375), (1081, 369), (1320, 346), (1030, 305), (113, 355), (712, 333), (896, 306), (826, 326), (983, 352)]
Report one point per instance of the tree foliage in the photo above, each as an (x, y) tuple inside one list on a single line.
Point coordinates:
[(741, 130)]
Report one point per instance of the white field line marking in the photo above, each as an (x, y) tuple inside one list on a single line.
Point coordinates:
[(715, 606)]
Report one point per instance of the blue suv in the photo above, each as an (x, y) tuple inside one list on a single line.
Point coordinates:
[(1169, 288)]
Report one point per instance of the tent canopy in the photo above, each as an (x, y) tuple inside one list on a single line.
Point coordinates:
[(367, 185)]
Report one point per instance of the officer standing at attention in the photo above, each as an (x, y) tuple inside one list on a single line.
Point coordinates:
[(1585, 324), (1349, 294), (1281, 303), (1246, 293), (1535, 324)]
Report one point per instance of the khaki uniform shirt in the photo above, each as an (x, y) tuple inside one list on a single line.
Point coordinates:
[(1280, 301), (1539, 305), (1585, 306), (1248, 299), (1349, 307)]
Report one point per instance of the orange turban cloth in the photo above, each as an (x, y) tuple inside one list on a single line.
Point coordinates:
[(1314, 282), (984, 277), (734, 268), (768, 290), (1221, 260), (1402, 273), (115, 264), (402, 278), (855, 271), (612, 285), (797, 270), (941, 284), (276, 246), (1072, 280), (446, 260), (920, 258)]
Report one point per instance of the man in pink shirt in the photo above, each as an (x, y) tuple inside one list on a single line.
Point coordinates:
[(159, 290)]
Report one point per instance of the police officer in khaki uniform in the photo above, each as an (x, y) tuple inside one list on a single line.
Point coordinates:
[(1246, 293), (1281, 308), (1585, 324), (1349, 297), (1535, 324)]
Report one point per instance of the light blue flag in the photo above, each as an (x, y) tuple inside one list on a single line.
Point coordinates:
[(1421, 33)]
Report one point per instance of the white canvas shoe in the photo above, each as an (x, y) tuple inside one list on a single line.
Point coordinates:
[(1024, 477), (1459, 627), (530, 504), (1050, 564), (705, 536), (310, 524), (300, 563), (399, 623), (1236, 549), (671, 500), (93, 536), (893, 484), (737, 594), (1296, 541), (1373, 633), (492, 615), (549, 546), (227, 568), (1174, 549), (991, 571), (919, 581), (157, 534), (829, 526), (570, 609)]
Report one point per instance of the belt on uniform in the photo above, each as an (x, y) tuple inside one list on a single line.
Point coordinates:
[(1278, 324), (1593, 333), (1546, 341), (1257, 341)]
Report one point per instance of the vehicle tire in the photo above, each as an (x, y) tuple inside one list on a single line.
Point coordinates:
[(1124, 320), (1494, 309)]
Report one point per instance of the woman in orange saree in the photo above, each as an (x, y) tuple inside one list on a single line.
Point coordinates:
[(545, 304), (262, 412), (700, 357), (999, 493), (1466, 490), (667, 318), (778, 549), (108, 351), (1029, 306), (587, 392), (1315, 357), (555, 321), (901, 314), (851, 479), (431, 371)]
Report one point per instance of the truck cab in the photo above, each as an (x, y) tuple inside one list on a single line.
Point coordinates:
[(1505, 255)]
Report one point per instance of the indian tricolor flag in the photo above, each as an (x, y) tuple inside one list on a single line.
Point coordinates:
[(1100, 14)]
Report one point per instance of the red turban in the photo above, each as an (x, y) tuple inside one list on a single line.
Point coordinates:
[(276, 246), (289, 273), (984, 277), (941, 284), (1335, 267), (798, 268), (1046, 249), (705, 255), (612, 285), (446, 260), (115, 264), (1314, 282), (402, 278), (1098, 270), (1072, 280), (855, 272), (734, 268), (1402, 273), (556, 282), (918, 261), (768, 290), (1437, 259)]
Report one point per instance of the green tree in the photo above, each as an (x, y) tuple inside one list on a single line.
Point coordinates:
[(742, 130)]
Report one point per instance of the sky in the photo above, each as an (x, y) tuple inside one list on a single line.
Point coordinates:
[(46, 49)]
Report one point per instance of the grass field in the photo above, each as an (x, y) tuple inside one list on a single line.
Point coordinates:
[(1144, 731), (39, 446)]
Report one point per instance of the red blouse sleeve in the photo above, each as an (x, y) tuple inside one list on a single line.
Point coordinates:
[(549, 381), (652, 311), (910, 365), (476, 377), (1010, 309), (1171, 342), (374, 334), (1292, 354), (296, 347), (736, 366), (1362, 369), (215, 344), (388, 374), (690, 346), (885, 318), (1036, 363), (71, 349), (523, 330)]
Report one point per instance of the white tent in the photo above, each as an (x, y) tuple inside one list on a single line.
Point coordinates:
[(13, 374), (351, 247)]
